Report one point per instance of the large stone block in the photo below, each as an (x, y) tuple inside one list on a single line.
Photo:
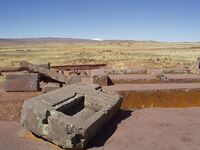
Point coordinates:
[(70, 116), (50, 87), (19, 82), (100, 77)]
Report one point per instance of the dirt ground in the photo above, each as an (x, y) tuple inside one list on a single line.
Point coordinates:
[(11, 104)]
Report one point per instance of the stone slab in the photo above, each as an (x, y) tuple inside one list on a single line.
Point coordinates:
[(21, 82), (22, 76), (138, 96), (50, 87), (70, 116), (132, 78), (153, 86), (100, 77), (149, 78)]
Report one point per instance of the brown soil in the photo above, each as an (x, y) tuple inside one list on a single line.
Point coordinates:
[(11, 104)]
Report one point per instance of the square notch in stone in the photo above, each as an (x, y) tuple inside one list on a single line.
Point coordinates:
[(78, 107)]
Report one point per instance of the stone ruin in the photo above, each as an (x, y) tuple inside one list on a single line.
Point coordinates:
[(30, 77), (70, 116), (75, 109)]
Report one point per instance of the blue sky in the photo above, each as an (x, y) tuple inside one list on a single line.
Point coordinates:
[(160, 20)]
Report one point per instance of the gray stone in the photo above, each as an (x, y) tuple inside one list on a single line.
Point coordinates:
[(70, 116)]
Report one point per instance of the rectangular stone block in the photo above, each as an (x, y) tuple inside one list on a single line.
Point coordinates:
[(100, 77), (22, 76), (21, 82), (149, 78), (133, 78), (138, 96), (47, 66), (50, 87), (70, 116)]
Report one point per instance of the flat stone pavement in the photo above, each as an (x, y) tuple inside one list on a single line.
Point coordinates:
[(157, 129), (14, 137), (147, 129)]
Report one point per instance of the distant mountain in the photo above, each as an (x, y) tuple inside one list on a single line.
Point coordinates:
[(42, 40), (46, 40)]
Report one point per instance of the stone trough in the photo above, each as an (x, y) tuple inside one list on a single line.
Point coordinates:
[(70, 116)]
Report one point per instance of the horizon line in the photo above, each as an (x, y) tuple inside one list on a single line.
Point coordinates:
[(94, 39)]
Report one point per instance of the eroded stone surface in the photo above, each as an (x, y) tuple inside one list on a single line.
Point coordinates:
[(70, 116)]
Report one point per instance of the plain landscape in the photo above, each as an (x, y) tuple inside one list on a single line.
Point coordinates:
[(150, 128), (117, 54)]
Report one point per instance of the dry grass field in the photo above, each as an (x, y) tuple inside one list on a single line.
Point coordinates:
[(117, 54)]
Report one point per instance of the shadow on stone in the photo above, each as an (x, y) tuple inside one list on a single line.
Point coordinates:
[(108, 130)]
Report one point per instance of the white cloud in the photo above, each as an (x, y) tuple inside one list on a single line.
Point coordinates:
[(96, 39)]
